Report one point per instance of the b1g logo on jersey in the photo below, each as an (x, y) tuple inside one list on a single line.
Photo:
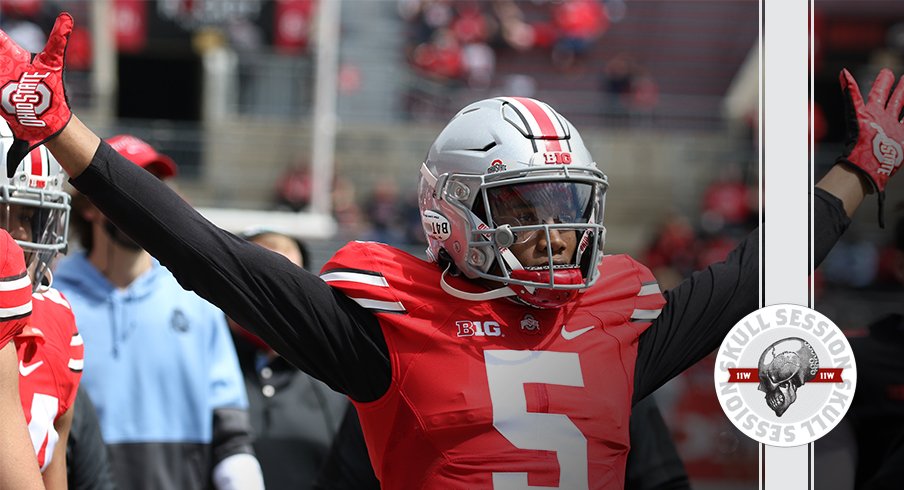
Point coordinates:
[(469, 328), (27, 99), (785, 375)]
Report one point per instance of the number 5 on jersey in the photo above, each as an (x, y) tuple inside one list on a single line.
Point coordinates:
[(507, 372)]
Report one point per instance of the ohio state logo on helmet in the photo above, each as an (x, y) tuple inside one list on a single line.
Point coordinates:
[(785, 375), (27, 99)]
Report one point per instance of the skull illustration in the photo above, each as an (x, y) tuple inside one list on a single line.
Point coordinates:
[(784, 367)]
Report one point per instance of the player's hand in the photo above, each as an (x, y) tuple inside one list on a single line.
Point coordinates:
[(33, 98), (874, 130)]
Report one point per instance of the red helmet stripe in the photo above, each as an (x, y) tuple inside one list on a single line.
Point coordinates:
[(35, 161), (547, 126), (38, 167)]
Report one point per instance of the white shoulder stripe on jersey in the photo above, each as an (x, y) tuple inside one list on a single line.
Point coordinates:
[(15, 311), (76, 364), (76, 340), (372, 304), (359, 278), (532, 122), (645, 314), (14, 284), (53, 295), (648, 289)]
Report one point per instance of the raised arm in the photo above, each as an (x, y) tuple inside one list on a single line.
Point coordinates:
[(702, 309), (872, 152), (317, 329), (74, 147)]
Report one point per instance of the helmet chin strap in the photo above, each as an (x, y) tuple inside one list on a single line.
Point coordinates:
[(503, 292), (46, 281)]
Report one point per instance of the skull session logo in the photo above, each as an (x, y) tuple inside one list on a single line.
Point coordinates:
[(785, 375)]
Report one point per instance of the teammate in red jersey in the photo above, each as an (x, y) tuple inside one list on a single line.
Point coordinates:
[(34, 209), (18, 468), (512, 358)]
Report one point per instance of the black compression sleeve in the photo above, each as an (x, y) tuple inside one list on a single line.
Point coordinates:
[(232, 434), (316, 328), (653, 462), (347, 467), (701, 310)]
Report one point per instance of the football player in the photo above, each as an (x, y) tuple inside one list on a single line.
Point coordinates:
[(34, 209), (18, 467), (513, 356)]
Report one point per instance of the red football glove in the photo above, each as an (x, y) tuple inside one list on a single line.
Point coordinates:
[(874, 130), (33, 97)]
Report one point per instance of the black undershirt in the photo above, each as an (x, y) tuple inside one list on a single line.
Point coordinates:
[(332, 338)]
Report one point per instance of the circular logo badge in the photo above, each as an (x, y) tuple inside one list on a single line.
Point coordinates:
[(785, 375), (436, 225)]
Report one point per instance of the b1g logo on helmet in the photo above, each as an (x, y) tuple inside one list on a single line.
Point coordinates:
[(785, 375), (557, 158), (27, 99)]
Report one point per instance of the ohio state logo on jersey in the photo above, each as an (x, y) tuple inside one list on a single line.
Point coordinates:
[(27, 99), (530, 325)]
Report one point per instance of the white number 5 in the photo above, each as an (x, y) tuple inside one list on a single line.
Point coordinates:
[(507, 372), (43, 411)]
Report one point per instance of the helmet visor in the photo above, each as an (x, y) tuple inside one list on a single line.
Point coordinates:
[(528, 207)]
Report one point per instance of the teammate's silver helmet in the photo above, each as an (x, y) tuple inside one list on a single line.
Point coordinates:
[(35, 194), (495, 160)]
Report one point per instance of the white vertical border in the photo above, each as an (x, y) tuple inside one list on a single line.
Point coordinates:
[(811, 283), (786, 174), (811, 141)]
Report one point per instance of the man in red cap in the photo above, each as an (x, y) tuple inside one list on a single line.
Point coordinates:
[(144, 155), (162, 369)]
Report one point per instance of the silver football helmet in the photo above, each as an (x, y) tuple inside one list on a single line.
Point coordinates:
[(34, 207), (507, 172)]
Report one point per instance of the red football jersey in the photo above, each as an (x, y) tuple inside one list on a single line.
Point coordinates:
[(494, 394), (15, 289), (51, 357)]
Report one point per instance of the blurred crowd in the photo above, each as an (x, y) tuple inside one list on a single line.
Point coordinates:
[(457, 43), (680, 245), (385, 214), (458, 40)]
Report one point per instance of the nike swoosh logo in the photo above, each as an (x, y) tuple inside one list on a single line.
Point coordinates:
[(573, 334), (26, 370)]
